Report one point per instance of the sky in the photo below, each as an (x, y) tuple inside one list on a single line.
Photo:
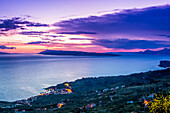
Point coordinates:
[(32, 26)]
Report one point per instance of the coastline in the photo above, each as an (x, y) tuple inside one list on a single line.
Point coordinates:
[(37, 73), (97, 86)]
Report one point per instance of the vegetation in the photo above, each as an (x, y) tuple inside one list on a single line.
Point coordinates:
[(160, 104), (121, 94)]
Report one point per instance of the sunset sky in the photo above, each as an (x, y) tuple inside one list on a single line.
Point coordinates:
[(31, 26)]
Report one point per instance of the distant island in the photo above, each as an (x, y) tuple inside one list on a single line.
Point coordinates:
[(4, 53), (75, 53), (164, 51)]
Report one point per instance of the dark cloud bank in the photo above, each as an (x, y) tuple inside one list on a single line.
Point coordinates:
[(38, 42), (18, 22), (78, 32), (130, 44), (133, 21), (147, 23), (32, 32), (5, 47)]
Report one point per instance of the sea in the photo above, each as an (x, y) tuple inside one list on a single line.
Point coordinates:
[(25, 75)]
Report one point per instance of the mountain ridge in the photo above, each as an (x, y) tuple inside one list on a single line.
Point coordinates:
[(75, 53)]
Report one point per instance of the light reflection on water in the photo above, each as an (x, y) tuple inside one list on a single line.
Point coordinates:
[(25, 75)]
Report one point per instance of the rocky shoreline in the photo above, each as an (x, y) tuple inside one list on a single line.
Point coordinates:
[(165, 64)]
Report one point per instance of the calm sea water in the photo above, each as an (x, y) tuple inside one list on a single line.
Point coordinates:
[(25, 75)]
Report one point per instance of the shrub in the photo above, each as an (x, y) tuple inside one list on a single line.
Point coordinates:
[(160, 104)]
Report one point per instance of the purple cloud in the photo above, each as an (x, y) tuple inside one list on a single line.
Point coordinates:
[(2, 33), (38, 42), (37, 25), (168, 36), (144, 22), (5, 47), (32, 32), (131, 44), (8, 24), (51, 40), (81, 39), (18, 22), (54, 36), (78, 32)]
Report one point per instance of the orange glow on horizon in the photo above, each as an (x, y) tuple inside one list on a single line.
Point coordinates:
[(57, 43), (91, 48)]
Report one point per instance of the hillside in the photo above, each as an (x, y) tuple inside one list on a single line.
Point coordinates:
[(103, 94)]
